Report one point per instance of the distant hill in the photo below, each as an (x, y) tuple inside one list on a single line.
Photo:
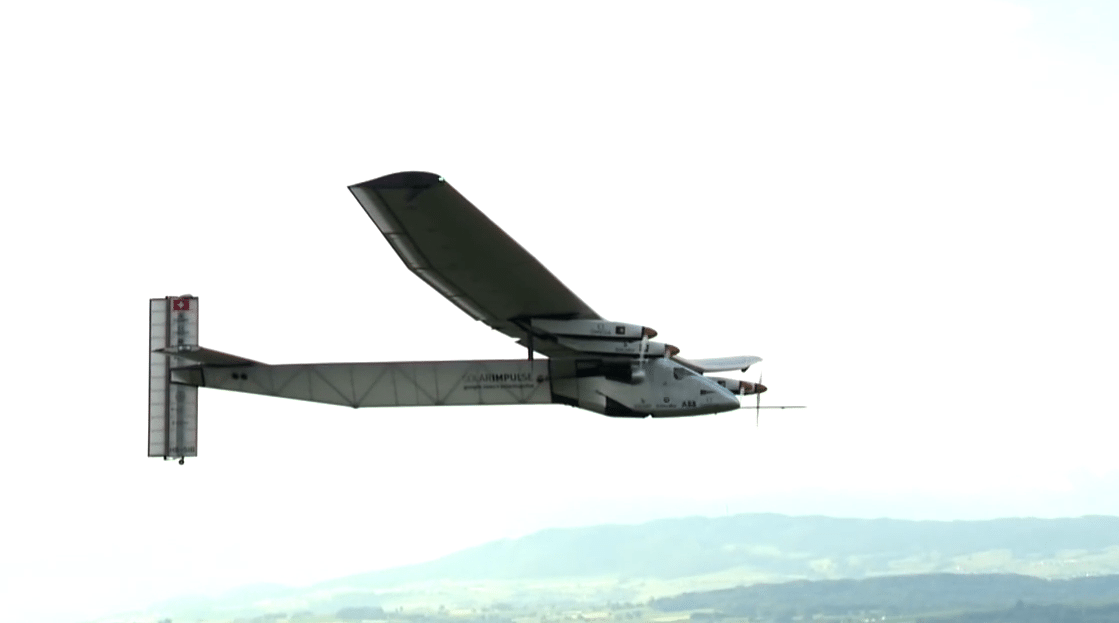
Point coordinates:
[(633, 563), (777, 545), (909, 594)]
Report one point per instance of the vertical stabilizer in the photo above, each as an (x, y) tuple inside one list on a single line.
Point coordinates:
[(172, 407)]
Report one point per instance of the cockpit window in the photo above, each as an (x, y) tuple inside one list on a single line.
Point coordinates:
[(679, 373)]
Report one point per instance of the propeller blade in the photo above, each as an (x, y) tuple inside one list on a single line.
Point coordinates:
[(758, 401)]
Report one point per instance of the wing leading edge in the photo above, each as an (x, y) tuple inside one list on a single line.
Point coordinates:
[(457, 250)]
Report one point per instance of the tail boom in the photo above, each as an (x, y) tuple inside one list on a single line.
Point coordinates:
[(383, 384)]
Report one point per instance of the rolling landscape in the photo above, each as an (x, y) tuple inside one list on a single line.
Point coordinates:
[(755, 567)]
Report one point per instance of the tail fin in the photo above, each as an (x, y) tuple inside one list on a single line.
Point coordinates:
[(172, 407)]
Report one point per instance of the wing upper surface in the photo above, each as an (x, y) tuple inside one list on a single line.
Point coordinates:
[(461, 253)]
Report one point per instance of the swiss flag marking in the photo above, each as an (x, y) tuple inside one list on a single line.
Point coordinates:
[(180, 304)]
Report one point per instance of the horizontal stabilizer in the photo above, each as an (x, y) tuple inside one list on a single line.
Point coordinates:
[(718, 364), (206, 356), (172, 408)]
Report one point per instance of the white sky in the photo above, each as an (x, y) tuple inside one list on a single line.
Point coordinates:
[(906, 208)]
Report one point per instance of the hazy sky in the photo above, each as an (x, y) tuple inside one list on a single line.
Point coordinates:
[(906, 208)]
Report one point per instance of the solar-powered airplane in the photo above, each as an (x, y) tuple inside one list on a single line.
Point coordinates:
[(608, 367)]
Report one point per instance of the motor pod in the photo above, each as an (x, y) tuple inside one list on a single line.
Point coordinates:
[(742, 388), (598, 329), (619, 347)]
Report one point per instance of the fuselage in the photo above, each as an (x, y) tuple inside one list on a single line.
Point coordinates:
[(656, 387)]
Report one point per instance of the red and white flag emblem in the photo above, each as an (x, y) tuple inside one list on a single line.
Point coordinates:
[(180, 304)]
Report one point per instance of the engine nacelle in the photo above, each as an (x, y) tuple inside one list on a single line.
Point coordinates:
[(618, 347), (736, 386), (600, 329)]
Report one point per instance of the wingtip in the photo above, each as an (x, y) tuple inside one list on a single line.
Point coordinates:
[(403, 179)]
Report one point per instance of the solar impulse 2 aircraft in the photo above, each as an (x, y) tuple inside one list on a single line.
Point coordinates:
[(592, 363)]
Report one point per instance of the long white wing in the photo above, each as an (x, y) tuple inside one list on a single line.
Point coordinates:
[(461, 253)]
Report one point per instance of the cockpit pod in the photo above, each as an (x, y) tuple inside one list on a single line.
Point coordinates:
[(667, 389)]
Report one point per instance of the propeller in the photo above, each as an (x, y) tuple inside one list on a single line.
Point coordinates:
[(758, 401), (638, 373), (759, 388)]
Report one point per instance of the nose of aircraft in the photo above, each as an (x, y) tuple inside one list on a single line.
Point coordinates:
[(759, 388), (727, 403)]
